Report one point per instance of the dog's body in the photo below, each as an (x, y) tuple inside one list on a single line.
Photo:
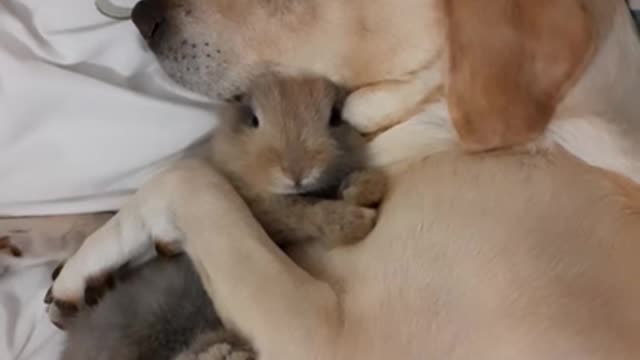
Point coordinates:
[(500, 256)]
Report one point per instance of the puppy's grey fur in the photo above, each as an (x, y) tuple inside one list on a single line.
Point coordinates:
[(156, 312)]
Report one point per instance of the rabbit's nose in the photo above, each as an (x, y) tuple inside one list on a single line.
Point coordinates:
[(296, 175), (299, 175)]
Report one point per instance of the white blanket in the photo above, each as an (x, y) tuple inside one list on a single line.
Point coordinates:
[(86, 115)]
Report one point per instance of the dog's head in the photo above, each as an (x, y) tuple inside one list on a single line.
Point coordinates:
[(509, 62), (215, 47)]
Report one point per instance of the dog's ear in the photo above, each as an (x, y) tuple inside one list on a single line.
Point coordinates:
[(511, 62)]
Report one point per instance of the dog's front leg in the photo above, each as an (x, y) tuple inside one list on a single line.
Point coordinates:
[(258, 290)]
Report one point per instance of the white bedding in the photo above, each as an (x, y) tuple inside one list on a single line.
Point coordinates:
[(86, 116)]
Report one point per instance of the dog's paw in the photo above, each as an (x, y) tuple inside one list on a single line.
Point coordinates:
[(9, 246), (83, 281), (12, 250), (364, 188), (61, 312), (371, 109)]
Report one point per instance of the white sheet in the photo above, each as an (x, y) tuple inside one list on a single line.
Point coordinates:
[(86, 116), (25, 331)]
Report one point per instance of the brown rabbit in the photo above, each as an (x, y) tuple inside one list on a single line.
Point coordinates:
[(286, 149)]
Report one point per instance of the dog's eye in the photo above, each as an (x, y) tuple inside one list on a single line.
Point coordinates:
[(336, 117)]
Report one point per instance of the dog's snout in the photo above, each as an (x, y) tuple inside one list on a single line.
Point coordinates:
[(149, 16)]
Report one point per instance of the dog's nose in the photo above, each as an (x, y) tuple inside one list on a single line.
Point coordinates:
[(149, 16)]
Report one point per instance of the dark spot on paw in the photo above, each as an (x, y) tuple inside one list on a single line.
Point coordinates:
[(97, 287), (165, 249), (48, 297), (6, 245), (56, 272), (15, 252), (66, 308)]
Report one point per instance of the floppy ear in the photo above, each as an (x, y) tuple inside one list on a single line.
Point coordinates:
[(511, 62)]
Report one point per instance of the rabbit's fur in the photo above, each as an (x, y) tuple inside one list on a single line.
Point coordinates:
[(285, 143)]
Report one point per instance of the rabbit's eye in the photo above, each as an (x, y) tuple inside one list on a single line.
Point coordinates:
[(254, 122), (336, 117), (249, 118)]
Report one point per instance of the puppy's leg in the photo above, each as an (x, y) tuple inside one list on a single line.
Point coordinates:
[(257, 289)]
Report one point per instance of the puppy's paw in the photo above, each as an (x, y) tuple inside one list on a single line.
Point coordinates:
[(372, 109), (9, 246), (364, 188), (12, 250), (77, 287), (61, 312)]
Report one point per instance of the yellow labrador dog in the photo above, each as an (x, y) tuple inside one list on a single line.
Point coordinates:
[(511, 254)]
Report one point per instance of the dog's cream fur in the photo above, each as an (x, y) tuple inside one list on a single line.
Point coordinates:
[(509, 255)]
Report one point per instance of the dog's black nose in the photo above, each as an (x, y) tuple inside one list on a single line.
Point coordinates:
[(149, 16)]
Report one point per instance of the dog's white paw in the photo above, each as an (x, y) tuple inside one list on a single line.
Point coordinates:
[(370, 110), (128, 239)]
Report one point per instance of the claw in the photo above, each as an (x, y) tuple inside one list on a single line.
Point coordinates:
[(48, 297), (56, 271)]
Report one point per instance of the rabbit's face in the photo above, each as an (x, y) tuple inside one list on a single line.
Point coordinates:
[(286, 137)]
